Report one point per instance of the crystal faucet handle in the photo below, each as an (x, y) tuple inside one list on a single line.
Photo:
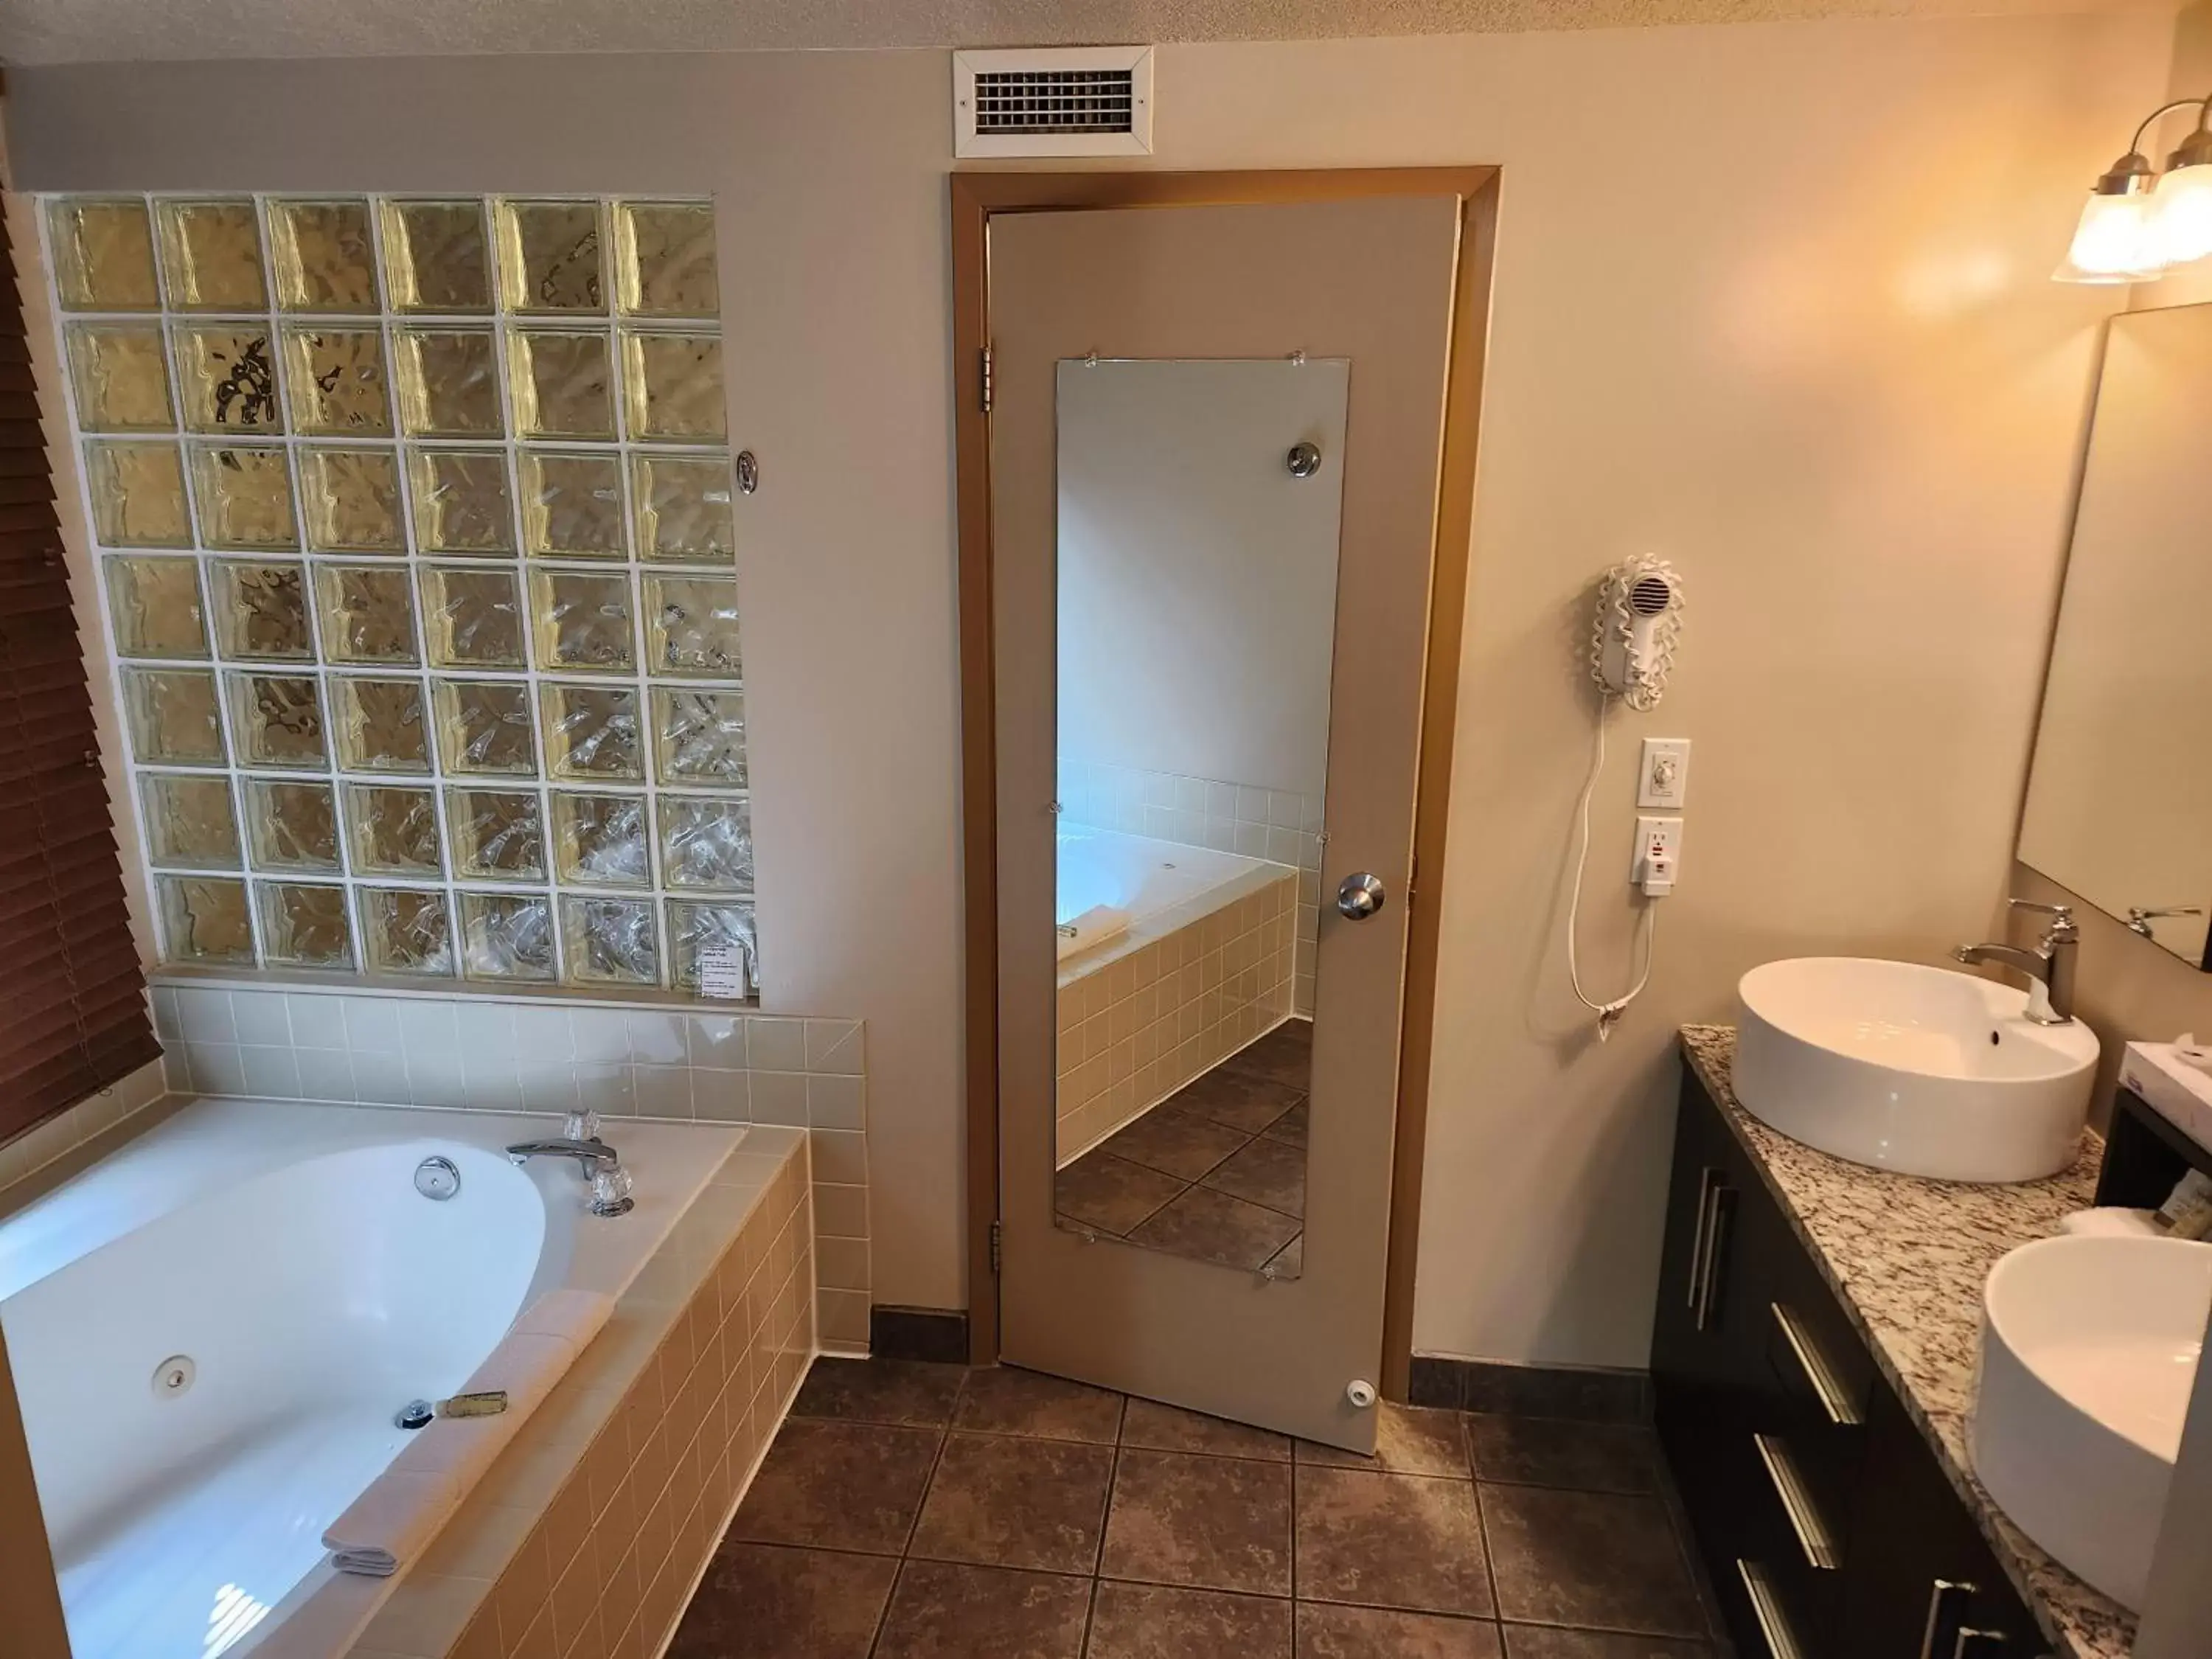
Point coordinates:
[(581, 1126), (611, 1191)]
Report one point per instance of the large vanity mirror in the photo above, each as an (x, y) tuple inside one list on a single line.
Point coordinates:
[(1200, 504), (2119, 800)]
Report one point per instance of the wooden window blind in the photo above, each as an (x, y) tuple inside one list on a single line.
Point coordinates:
[(72, 997)]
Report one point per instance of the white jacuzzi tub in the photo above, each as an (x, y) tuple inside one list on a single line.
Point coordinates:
[(1157, 885), (284, 1250)]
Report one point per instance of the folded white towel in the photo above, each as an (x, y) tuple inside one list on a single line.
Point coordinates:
[(1094, 927), (402, 1510)]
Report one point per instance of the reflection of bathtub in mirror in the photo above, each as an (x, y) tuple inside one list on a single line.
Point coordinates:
[(1203, 966)]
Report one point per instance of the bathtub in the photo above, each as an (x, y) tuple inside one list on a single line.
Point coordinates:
[(278, 1260), (1205, 964)]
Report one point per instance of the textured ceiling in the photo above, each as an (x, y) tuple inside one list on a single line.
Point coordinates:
[(76, 31)]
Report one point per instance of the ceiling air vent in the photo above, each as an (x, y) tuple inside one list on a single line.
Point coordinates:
[(1084, 101)]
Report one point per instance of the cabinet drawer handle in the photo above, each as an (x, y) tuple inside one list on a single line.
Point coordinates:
[(1977, 1643), (1833, 1399), (1796, 1502), (1766, 1608), (1709, 1283), (1944, 1596), (1708, 1179)]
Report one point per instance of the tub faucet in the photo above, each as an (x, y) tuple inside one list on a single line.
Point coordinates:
[(599, 1163), (2048, 966)]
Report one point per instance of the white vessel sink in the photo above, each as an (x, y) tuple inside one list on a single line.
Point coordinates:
[(1915, 1069), (2089, 1349)]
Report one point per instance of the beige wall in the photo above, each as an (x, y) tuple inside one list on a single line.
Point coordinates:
[(1770, 300)]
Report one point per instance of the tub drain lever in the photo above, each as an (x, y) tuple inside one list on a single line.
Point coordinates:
[(418, 1414)]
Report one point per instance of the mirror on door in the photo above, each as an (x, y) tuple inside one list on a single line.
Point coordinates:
[(2120, 801), (1198, 511)]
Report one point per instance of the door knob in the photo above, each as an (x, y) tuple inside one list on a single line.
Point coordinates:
[(1360, 896)]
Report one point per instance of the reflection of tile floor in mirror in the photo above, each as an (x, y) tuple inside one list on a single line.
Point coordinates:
[(910, 1512), (1216, 1171)]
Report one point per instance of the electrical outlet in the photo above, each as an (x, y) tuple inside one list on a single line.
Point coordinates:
[(1657, 865), (1663, 779)]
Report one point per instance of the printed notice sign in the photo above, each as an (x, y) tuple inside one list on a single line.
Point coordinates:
[(722, 973)]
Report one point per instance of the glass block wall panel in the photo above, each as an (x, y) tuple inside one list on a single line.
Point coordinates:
[(506, 935), (261, 611), (462, 505), (383, 725), (437, 258), (498, 835), (599, 841), (325, 255), (350, 501), (229, 372), (407, 930), (118, 377), (203, 919), (448, 382), (583, 621), (101, 250), (672, 383), (155, 605), (173, 717), (243, 496), (137, 493), (335, 379), (548, 257), (563, 382), (189, 821), (394, 831), (572, 505), (212, 255), (664, 260), (416, 529), (681, 506), (305, 926), (292, 826), (367, 612), (473, 617)]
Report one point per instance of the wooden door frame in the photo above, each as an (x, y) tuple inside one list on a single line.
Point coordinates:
[(977, 195)]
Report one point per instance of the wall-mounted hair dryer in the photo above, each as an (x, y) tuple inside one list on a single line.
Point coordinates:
[(1633, 631)]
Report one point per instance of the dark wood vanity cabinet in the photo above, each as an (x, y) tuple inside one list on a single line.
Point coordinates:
[(1826, 1524)]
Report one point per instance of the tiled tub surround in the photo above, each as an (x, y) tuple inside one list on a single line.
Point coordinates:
[(1275, 825), (435, 1049), (1145, 1014), (587, 1537), (415, 550), (1907, 1257)]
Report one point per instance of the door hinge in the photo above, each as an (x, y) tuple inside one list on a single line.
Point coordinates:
[(987, 379), (997, 1244)]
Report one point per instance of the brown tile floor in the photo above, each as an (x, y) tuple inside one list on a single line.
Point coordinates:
[(1216, 1171), (910, 1512)]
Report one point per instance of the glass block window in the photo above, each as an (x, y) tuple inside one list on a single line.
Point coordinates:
[(414, 521)]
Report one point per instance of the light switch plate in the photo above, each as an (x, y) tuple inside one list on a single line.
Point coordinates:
[(1664, 778)]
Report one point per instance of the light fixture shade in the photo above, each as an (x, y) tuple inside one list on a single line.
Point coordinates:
[(2181, 211), (2116, 241)]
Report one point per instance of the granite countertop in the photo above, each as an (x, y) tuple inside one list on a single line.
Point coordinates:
[(1907, 1257)]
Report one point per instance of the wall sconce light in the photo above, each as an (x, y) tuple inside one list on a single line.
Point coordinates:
[(2138, 224)]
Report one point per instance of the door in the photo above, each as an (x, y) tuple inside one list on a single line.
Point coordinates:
[(1214, 448)]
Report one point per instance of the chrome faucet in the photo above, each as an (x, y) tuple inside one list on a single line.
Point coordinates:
[(2048, 966), (599, 1163)]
